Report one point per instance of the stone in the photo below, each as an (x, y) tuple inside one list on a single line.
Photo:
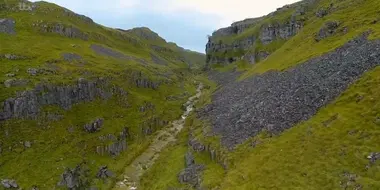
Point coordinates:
[(104, 173), (13, 57), (64, 30), (7, 26), (94, 126), (9, 184), (32, 71), (242, 109), (10, 75), (76, 178), (189, 159), (327, 30), (373, 157), (27, 144), (191, 175), (117, 146), (35, 188), (322, 13), (15, 83)]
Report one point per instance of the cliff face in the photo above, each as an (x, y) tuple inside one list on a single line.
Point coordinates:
[(248, 39)]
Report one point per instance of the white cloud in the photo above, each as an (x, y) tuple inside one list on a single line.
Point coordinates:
[(227, 11), (224, 11)]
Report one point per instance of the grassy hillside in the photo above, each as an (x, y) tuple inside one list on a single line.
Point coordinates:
[(333, 149), (61, 142)]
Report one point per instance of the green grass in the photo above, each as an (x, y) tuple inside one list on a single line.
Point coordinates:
[(53, 147), (355, 15), (312, 155)]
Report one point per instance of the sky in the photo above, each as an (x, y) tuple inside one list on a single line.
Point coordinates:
[(185, 22)]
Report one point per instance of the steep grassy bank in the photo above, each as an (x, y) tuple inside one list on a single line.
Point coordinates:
[(132, 80)]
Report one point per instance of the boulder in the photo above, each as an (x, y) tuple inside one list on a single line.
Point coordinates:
[(191, 175), (189, 159), (15, 83), (75, 179), (27, 144), (9, 184), (10, 75), (32, 71), (327, 30), (94, 126), (104, 173), (7, 26)]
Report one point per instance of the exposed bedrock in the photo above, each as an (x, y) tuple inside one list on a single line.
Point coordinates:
[(28, 104), (275, 101)]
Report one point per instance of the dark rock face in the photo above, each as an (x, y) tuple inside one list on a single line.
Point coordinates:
[(191, 175), (327, 30), (276, 101), (189, 159), (117, 146), (104, 173), (27, 104), (7, 26), (9, 184), (67, 31), (272, 32), (75, 179), (94, 126), (143, 82)]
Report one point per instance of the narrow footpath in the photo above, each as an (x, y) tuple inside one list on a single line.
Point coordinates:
[(133, 172)]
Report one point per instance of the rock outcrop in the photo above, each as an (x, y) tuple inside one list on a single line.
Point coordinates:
[(7, 26), (15, 83), (244, 40), (327, 30), (117, 145), (94, 126), (75, 179), (275, 101), (63, 30), (192, 173), (27, 104), (141, 81), (9, 184), (104, 173)]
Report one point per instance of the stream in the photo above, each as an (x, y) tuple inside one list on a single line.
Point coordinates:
[(163, 138)]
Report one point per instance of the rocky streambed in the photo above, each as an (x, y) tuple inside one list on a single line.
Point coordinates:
[(163, 138)]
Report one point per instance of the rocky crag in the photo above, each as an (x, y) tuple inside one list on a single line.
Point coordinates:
[(253, 40)]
